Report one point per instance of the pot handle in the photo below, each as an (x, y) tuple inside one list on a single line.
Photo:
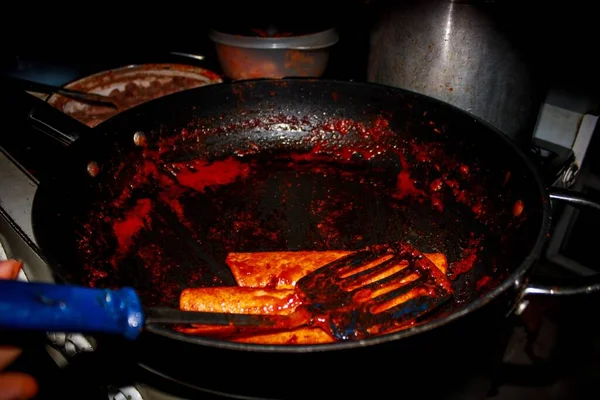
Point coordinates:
[(574, 286), (55, 124), (41, 116)]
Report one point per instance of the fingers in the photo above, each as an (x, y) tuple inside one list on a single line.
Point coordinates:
[(13, 385), (8, 355), (17, 386), (9, 269)]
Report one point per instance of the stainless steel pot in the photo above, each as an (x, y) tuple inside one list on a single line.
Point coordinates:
[(467, 53)]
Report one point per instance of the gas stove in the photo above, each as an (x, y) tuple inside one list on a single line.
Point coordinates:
[(561, 139)]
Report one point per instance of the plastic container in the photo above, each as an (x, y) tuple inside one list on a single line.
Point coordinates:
[(275, 55)]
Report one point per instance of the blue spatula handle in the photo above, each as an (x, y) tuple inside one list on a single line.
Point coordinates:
[(64, 308)]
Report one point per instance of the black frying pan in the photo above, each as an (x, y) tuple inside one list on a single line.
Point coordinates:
[(337, 199)]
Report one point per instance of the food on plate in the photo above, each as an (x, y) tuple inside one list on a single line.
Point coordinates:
[(131, 95), (129, 87), (266, 286)]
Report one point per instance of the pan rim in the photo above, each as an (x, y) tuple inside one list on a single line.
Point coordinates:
[(514, 279)]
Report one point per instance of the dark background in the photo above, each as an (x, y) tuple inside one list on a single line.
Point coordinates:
[(562, 37)]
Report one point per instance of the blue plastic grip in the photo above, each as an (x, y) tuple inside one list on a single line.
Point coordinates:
[(64, 308)]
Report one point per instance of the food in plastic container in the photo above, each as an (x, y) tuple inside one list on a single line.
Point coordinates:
[(273, 54)]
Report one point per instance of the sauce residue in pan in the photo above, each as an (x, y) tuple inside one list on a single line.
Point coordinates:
[(199, 174), (177, 208), (135, 220)]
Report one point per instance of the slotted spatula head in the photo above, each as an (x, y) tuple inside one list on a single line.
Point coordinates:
[(374, 290)]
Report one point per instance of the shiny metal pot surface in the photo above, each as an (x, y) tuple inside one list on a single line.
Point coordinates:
[(461, 52)]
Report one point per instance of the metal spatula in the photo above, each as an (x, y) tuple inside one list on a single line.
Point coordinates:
[(374, 290), (91, 98)]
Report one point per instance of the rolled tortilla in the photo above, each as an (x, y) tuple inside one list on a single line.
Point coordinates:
[(282, 269)]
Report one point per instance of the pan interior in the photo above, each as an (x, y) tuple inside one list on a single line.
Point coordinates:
[(285, 165)]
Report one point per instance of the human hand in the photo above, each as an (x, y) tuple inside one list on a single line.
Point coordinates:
[(13, 385)]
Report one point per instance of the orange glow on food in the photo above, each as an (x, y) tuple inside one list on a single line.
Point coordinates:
[(266, 286)]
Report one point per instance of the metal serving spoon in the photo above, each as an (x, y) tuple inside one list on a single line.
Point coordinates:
[(38, 87)]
